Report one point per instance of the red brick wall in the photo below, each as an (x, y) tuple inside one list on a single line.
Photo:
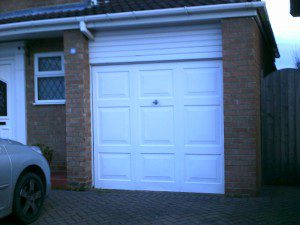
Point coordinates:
[(12, 5), (78, 111), (46, 124), (244, 60)]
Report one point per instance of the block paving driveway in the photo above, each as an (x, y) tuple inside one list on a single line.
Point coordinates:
[(276, 205)]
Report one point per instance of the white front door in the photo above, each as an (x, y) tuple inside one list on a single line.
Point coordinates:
[(6, 104), (159, 127)]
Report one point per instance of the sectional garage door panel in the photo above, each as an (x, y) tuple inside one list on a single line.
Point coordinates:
[(156, 44), (159, 127)]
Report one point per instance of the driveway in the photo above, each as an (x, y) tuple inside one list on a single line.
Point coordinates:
[(276, 205)]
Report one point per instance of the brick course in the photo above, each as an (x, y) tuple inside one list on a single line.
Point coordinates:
[(78, 112), (245, 60), (46, 124)]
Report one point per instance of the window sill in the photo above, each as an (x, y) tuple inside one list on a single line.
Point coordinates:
[(50, 103)]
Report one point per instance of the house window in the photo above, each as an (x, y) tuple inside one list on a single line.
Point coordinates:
[(49, 78)]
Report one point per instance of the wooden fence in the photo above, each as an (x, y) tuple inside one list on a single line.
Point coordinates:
[(281, 127)]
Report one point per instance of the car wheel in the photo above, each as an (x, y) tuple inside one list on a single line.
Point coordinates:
[(28, 198)]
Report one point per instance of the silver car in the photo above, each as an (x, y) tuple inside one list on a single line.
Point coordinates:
[(24, 180)]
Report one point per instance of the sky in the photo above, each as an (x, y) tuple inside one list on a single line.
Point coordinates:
[(287, 32)]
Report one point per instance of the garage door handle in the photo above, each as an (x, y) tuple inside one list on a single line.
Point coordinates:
[(155, 102)]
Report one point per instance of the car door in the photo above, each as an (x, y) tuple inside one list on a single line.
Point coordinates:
[(5, 178)]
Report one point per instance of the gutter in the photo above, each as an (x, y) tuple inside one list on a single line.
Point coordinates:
[(147, 17)]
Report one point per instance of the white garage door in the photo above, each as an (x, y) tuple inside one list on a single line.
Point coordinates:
[(159, 127)]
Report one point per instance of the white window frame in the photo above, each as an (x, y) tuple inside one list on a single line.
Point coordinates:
[(45, 74)]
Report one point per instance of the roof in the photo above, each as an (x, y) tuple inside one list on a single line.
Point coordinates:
[(104, 7)]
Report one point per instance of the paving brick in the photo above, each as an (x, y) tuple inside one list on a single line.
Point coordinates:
[(276, 205)]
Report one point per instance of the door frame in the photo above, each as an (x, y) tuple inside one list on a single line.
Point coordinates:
[(13, 53)]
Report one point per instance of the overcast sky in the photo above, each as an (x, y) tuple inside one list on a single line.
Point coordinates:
[(287, 31)]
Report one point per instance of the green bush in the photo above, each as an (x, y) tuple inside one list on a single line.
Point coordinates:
[(47, 152)]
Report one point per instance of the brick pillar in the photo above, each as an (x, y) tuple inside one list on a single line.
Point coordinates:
[(242, 64), (78, 113)]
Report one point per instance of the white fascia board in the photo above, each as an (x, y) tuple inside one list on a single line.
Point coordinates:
[(35, 30), (169, 20), (178, 11), (72, 22), (111, 21)]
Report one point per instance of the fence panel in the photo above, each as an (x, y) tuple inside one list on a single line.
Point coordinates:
[(281, 127)]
